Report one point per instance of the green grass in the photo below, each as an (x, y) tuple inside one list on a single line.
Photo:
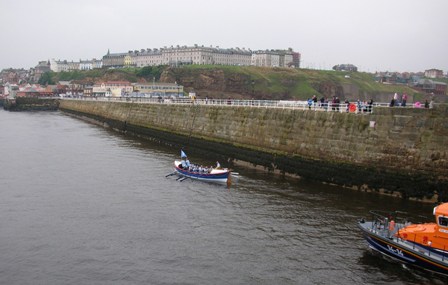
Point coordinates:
[(274, 82)]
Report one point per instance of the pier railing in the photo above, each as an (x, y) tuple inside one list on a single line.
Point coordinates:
[(353, 107)]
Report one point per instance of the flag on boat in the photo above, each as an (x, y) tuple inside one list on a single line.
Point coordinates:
[(182, 154)]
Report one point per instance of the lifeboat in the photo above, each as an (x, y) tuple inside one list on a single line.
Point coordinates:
[(423, 245)]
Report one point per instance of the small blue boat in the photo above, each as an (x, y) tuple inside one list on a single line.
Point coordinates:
[(221, 175)]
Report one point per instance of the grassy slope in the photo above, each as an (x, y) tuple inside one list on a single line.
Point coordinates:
[(302, 83), (295, 83)]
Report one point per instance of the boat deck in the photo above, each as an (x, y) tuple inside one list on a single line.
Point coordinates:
[(383, 232)]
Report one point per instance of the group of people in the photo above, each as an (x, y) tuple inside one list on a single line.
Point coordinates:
[(365, 106), (186, 165), (430, 104), (324, 103), (335, 104), (399, 100)]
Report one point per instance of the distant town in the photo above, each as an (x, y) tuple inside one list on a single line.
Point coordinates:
[(23, 82)]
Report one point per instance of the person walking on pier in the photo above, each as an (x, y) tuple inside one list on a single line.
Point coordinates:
[(404, 98)]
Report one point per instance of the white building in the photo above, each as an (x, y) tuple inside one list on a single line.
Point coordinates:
[(64, 65), (85, 65), (264, 58), (73, 65), (181, 55), (273, 58), (147, 57), (97, 63), (98, 91), (58, 65), (434, 73)]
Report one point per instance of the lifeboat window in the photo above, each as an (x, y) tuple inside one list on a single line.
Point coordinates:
[(443, 221)]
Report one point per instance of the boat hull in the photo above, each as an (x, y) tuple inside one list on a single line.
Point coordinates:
[(406, 252), (220, 176)]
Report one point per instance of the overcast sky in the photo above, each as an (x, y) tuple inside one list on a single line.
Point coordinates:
[(380, 35)]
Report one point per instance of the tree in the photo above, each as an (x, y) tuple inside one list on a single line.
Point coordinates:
[(150, 72), (46, 78)]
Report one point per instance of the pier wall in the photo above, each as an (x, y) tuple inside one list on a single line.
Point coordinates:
[(30, 104), (396, 151)]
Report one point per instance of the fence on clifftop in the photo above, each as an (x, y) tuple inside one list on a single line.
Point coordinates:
[(353, 107)]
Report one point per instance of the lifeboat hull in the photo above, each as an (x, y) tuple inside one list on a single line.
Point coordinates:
[(405, 251)]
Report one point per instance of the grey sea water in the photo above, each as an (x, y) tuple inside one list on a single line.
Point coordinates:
[(80, 204)]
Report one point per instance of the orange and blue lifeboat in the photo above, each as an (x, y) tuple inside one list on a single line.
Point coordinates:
[(424, 245)]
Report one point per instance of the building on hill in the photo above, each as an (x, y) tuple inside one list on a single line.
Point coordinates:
[(184, 55), (15, 76), (431, 87), (275, 58), (146, 57), (296, 58), (9, 76), (58, 65), (265, 58), (90, 64), (41, 68), (73, 65), (434, 73), (85, 65), (64, 65), (200, 55), (345, 67), (114, 60), (393, 77)]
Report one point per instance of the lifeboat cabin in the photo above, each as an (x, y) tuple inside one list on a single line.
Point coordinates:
[(433, 235)]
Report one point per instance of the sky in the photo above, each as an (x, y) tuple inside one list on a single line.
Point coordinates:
[(380, 35)]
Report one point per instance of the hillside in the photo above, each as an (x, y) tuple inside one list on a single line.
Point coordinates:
[(248, 82), (279, 83)]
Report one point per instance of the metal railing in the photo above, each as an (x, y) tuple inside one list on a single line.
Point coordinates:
[(353, 107)]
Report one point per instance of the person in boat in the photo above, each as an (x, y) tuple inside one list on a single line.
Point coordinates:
[(187, 163), (183, 163), (218, 166)]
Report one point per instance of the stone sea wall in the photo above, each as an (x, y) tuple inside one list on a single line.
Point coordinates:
[(30, 104), (396, 151)]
